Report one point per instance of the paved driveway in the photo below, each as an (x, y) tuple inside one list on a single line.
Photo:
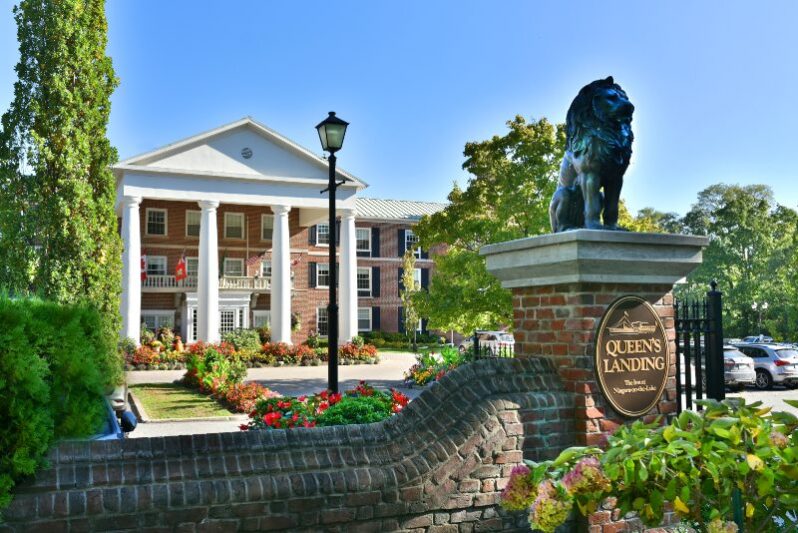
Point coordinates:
[(288, 380)]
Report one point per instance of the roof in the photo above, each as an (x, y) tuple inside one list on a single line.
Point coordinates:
[(407, 210), (138, 161)]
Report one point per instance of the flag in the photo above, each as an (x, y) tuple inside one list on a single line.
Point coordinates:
[(143, 267), (181, 270), (255, 259)]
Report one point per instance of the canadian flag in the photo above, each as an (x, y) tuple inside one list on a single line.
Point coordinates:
[(181, 272), (143, 267)]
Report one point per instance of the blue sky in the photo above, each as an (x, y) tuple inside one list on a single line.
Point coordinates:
[(714, 82)]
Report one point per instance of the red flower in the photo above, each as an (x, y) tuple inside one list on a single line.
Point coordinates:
[(323, 395), (335, 398), (243, 427), (302, 398), (272, 419)]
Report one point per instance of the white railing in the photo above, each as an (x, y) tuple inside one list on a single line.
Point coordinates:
[(157, 282)]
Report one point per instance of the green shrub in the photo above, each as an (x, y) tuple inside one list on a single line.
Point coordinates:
[(243, 339), (356, 410), (55, 366)]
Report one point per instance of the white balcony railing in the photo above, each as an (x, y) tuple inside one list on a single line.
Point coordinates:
[(168, 282)]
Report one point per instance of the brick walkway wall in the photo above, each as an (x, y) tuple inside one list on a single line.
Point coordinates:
[(438, 466)]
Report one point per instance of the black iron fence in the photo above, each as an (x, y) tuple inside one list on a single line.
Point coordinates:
[(483, 349), (699, 349)]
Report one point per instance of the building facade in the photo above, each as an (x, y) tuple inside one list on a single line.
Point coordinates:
[(239, 209)]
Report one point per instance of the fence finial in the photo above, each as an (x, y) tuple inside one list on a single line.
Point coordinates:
[(713, 285)]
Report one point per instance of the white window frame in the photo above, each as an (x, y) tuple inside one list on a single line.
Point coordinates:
[(199, 224), (261, 318), (190, 272), (414, 245), (263, 269), (368, 240), (318, 233), (263, 236), (417, 278), (371, 316), (227, 225), (326, 267), (165, 221), (319, 311), (163, 318), (357, 280), (151, 260), (237, 260)]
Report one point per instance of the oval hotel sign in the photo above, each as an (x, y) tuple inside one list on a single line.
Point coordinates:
[(632, 357)]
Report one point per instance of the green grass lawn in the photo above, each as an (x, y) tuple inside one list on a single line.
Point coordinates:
[(170, 400)]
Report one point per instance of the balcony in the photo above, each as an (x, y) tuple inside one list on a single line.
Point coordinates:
[(167, 283)]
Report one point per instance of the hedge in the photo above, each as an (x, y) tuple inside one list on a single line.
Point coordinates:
[(55, 366)]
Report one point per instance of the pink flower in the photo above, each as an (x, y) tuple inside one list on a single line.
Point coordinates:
[(520, 492), (586, 476), (550, 508)]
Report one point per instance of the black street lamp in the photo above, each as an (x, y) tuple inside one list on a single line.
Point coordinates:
[(331, 134)]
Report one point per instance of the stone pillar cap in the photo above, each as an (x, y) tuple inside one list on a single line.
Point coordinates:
[(594, 256)]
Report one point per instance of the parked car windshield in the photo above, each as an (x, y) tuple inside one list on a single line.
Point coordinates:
[(731, 352)]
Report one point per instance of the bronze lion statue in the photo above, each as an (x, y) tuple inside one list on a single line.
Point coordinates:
[(597, 152)]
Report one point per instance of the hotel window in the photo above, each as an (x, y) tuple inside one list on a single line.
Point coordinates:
[(234, 225), (193, 223), (322, 275), (321, 321), (261, 319), (363, 237), (154, 320), (364, 282), (227, 320), (364, 319), (411, 243), (233, 267), (192, 266), (266, 269), (322, 234), (156, 265), (417, 277), (156, 221), (266, 227)]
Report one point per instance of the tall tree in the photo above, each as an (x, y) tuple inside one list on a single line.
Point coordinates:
[(751, 252), (409, 290), (507, 197), (58, 228)]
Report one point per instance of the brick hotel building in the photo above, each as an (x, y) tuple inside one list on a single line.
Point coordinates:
[(241, 205)]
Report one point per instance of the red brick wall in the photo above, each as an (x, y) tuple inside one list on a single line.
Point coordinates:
[(559, 323), (305, 299)]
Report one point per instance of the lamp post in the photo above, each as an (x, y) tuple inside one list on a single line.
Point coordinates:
[(761, 308), (331, 134)]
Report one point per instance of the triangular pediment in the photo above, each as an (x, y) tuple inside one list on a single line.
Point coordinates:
[(244, 148)]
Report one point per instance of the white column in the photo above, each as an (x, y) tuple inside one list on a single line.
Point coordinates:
[(347, 318), (131, 268), (208, 275), (281, 276)]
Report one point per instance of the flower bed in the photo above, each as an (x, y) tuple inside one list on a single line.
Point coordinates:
[(211, 371), (730, 462), (431, 367), (361, 405), (165, 351)]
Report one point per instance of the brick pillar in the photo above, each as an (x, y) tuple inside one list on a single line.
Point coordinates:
[(559, 322), (562, 284)]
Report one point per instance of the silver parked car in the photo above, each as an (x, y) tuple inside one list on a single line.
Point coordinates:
[(773, 363), (738, 369), (497, 342)]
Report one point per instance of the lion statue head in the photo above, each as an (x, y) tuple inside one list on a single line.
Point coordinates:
[(597, 152)]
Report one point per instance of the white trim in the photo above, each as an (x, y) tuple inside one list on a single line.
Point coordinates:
[(165, 265), (165, 221), (420, 277), (196, 271), (232, 215), (357, 250), (231, 259), (318, 313), (271, 230), (357, 281), (327, 266), (199, 214), (263, 263), (135, 162), (417, 252), (371, 318)]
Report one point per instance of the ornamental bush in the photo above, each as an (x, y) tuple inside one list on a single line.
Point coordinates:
[(55, 366), (243, 339), (731, 459)]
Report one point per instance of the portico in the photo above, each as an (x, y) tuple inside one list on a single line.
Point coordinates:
[(242, 164)]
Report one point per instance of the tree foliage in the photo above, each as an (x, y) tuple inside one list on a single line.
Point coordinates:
[(58, 230), (751, 253), (409, 289), (507, 197)]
